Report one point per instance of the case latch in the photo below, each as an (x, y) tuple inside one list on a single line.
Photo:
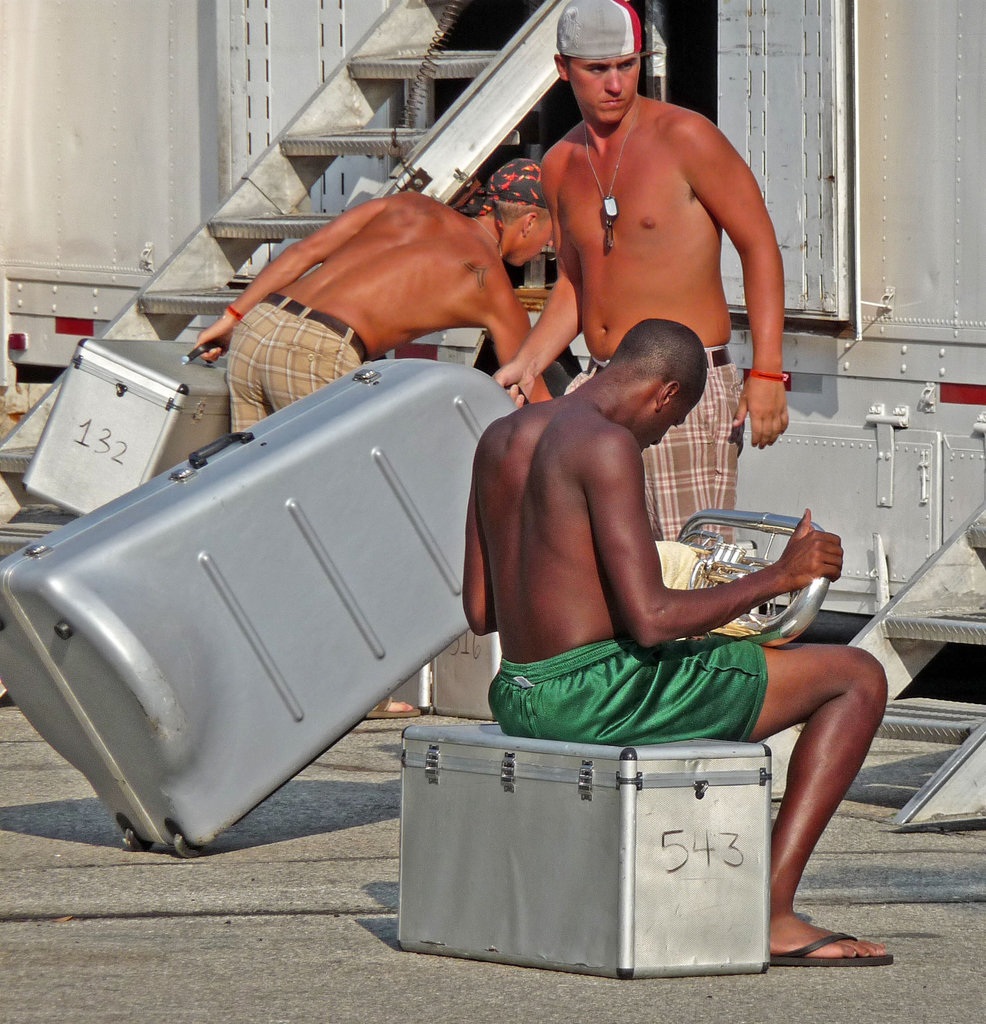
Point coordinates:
[(508, 769), (367, 376), (432, 764), (585, 780), (701, 788)]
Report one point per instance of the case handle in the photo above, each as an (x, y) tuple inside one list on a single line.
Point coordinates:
[(201, 456)]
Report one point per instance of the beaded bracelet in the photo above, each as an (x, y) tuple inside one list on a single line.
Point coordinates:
[(234, 313), (778, 378)]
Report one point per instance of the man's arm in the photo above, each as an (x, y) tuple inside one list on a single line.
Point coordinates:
[(651, 612), (508, 323), (558, 323), (726, 187), (477, 588), (548, 338), (296, 260)]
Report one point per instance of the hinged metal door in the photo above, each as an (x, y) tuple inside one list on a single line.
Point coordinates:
[(881, 481), (786, 102)]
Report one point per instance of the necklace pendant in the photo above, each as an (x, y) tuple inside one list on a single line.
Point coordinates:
[(609, 234), (610, 209)]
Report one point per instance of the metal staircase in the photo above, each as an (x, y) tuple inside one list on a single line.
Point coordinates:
[(268, 203), (944, 603), (400, 55)]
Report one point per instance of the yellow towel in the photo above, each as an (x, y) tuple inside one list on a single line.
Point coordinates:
[(677, 563)]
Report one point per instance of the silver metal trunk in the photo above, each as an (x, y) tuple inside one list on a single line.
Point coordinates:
[(646, 862)]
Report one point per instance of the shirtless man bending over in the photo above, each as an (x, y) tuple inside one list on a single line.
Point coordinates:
[(560, 559), (640, 192), (383, 273)]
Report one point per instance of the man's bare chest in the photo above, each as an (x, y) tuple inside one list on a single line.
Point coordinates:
[(651, 205)]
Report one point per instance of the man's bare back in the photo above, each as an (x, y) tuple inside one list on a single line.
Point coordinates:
[(399, 267), (382, 279), (558, 540)]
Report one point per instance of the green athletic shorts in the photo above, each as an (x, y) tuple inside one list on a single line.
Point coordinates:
[(618, 692)]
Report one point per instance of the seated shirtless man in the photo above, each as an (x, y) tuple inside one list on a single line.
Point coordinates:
[(381, 274), (560, 559)]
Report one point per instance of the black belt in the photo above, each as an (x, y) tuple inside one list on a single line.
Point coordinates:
[(307, 313), (719, 356)]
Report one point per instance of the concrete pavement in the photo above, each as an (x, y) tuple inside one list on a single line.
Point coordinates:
[(292, 917)]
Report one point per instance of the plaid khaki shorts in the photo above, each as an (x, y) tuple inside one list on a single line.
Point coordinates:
[(694, 466), (276, 357)]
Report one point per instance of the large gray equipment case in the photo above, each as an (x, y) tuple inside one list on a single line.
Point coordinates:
[(194, 644), (638, 862)]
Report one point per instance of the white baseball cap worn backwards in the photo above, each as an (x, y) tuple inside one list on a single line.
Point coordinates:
[(598, 30)]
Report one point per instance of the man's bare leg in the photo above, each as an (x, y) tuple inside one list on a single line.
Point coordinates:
[(840, 694)]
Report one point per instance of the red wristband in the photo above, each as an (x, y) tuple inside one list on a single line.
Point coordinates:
[(778, 378), (235, 314)]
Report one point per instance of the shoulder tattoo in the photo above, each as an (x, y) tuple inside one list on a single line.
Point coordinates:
[(479, 271)]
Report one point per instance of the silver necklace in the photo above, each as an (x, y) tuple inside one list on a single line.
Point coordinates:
[(499, 243), (610, 208)]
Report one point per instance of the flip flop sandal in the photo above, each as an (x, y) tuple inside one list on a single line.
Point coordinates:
[(800, 958), (381, 711)]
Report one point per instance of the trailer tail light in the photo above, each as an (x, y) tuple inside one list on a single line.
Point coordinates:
[(73, 325), (963, 394), (17, 341)]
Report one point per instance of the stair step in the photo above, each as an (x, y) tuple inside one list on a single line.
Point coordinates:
[(31, 524), (14, 536), (976, 535), (395, 142), (933, 721), (187, 303), (269, 229), (445, 64), (15, 460), (962, 628)]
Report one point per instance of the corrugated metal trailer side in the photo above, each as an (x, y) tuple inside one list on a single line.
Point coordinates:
[(871, 166)]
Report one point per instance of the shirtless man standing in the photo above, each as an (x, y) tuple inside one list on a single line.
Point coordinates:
[(383, 273), (560, 559), (640, 193)]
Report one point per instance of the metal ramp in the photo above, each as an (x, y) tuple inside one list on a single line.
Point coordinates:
[(945, 603)]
